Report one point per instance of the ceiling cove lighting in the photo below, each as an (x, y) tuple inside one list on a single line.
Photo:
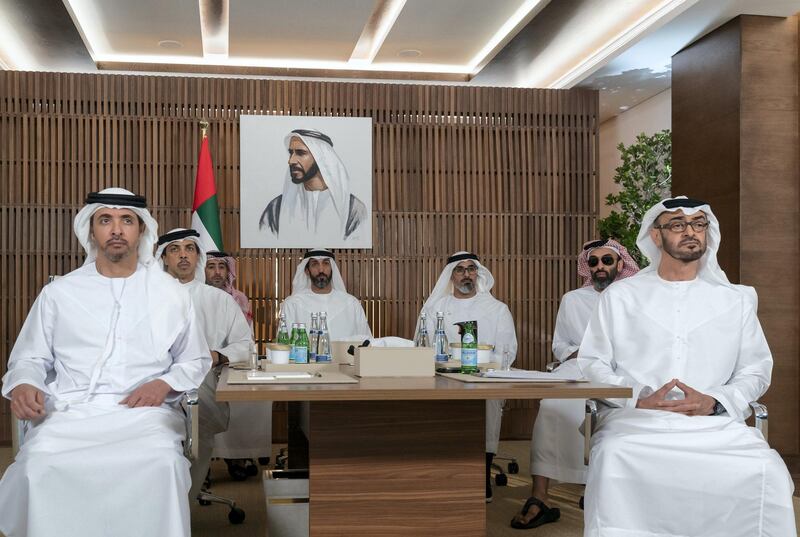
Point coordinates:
[(521, 17), (214, 28), (595, 59), (89, 25), (380, 22), (278, 63)]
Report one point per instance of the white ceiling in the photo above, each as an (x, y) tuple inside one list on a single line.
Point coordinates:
[(621, 47)]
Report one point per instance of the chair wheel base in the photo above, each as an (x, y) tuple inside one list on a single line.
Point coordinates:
[(513, 468), (501, 480), (236, 516)]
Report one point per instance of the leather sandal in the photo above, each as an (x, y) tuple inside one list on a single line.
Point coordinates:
[(545, 515)]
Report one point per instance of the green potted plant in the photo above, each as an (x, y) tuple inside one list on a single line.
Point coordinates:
[(645, 178)]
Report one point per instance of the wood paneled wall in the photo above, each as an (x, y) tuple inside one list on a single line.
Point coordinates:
[(736, 144), (510, 174)]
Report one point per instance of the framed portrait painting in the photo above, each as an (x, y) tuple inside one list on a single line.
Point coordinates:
[(306, 182)]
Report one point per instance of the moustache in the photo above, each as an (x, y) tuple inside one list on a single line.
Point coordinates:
[(687, 242), (296, 168), (114, 240)]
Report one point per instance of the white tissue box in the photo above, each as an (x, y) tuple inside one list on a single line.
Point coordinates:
[(395, 362)]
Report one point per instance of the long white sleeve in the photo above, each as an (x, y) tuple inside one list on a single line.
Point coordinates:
[(236, 346), (32, 356), (563, 344), (191, 358), (596, 354), (753, 370)]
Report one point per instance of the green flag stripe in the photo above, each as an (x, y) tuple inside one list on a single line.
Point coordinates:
[(209, 214)]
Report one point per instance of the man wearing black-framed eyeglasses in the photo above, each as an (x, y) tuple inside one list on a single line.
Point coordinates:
[(463, 293), (677, 458)]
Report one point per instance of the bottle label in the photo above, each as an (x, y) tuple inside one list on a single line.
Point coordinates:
[(469, 357), (468, 338), (301, 355), (323, 358), (441, 357)]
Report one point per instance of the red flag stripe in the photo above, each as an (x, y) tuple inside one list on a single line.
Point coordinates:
[(204, 186)]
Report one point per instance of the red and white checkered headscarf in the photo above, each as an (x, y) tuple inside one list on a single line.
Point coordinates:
[(238, 296), (629, 266)]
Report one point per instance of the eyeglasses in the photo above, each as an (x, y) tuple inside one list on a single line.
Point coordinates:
[(679, 226), (471, 269), (608, 260)]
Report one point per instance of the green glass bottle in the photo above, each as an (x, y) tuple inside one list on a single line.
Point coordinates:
[(283, 332), (292, 341), (301, 345), (469, 346)]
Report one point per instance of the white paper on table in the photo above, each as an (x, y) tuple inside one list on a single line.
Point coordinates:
[(524, 374), (276, 375)]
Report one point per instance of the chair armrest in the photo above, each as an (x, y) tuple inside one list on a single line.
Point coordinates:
[(589, 423), (762, 417), (551, 366), (191, 408)]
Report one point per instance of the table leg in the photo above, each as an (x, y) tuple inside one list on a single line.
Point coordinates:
[(399, 468)]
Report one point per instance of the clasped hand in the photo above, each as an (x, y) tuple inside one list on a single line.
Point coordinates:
[(694, 403)]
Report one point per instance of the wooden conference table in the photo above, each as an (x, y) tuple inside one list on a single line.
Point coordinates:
[(401, 456)]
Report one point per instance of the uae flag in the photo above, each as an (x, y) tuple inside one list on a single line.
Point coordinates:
[(205, 211)]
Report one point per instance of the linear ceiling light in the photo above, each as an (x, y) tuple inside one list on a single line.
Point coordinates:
[(597, 58), (214, 27), (378, 25), (521, 17)]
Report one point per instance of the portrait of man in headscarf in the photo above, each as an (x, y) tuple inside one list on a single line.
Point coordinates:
[(319, 200)]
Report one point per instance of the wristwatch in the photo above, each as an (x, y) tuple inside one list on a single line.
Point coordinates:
[(718, 408)]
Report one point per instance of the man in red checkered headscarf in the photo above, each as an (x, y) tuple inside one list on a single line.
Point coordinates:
[(557, 445)]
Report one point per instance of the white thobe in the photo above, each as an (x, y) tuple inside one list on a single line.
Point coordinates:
[(495, 327), (657, 473), (346, 319), (91, 466), (249, 434), (557, 443), (227, 332)]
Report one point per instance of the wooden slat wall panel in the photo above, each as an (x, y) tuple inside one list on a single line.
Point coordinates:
[(508, 173)]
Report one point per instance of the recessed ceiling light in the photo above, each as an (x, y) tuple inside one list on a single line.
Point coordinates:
[(623, 108), (170, 44), (410, 53)]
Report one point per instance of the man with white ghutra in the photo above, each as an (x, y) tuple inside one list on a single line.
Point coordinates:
[(557, 443), (318, 286), (226, 331), (249, 434), (677, 458), (463, 293), (98, 369)]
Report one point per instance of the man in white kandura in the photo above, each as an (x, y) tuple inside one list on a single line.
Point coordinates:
[(463, 293), (98, 368), (677, 458), (557, 444), (249, 434), (318, 286), (316, 198), (224, 326)]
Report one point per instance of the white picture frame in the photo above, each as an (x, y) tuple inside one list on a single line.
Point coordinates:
[(283, 207)]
